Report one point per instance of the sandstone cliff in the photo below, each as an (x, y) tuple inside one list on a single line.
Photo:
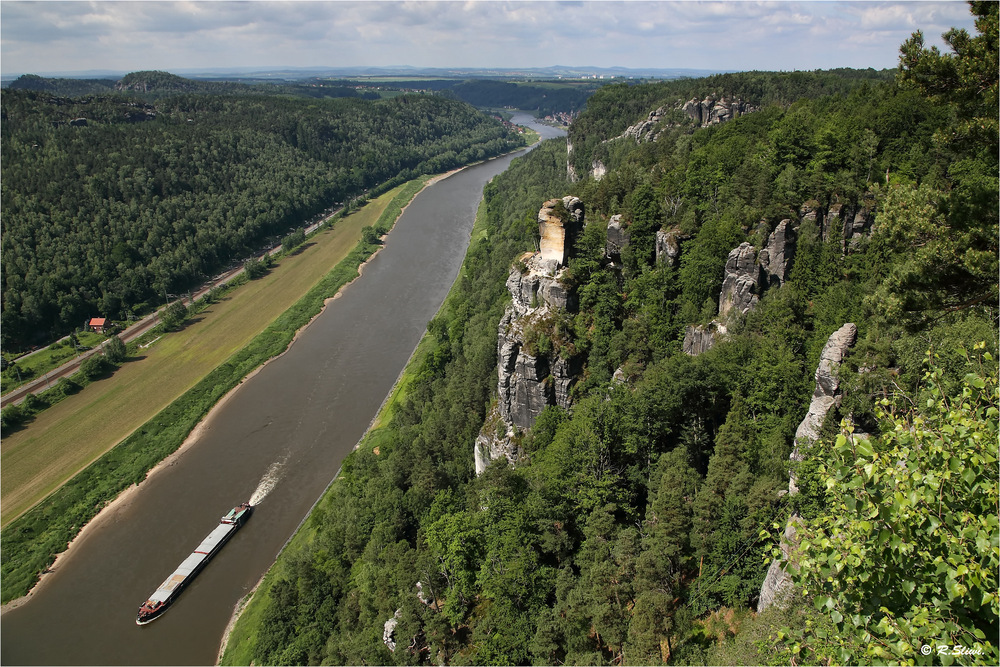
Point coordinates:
[(777, 583), (534, 368), (749, 274)]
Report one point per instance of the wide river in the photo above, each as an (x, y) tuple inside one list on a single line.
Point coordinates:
[(291, 424)]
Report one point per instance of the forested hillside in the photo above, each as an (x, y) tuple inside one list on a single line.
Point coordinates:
[(153, 85), (111, 202), (635, 525)]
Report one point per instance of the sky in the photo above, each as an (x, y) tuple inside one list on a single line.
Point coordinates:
[(57, 37)]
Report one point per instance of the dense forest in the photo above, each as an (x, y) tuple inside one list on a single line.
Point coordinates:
[(636, 526), (152, 85), (541, 98), (113, 201)]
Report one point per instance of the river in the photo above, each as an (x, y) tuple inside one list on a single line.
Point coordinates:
[(288, 427)]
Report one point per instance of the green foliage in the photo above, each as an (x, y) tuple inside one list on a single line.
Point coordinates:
[(907, 550), (114, 350), (95, 366), (253, 268), (630, 532), (154, 197), (293, 240), (173, 316), (32, 541)]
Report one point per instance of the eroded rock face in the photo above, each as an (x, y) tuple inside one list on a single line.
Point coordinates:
[(668, 246), (777, 582), (826, 395), (559, 220), (539, 282), (776, 258), (740, 285), (531, 375), (618, 239), (701, 338), (712, 111), (598, 170), (645, 130), (389, 630)]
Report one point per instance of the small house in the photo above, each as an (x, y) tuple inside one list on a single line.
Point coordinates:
[(99, 324)]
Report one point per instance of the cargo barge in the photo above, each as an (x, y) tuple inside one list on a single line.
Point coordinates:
[(168, 591)]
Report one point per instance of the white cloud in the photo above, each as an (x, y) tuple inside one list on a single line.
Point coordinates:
[(54, 36)]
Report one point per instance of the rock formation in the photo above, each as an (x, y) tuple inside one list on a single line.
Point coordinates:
[(617, 239), (645, 130), (740, 285), (777, 583), (559, 220), (668, 246), (712, 111), (701, 338), (826, 394), (776, 257), (531, 373), (389, 630)]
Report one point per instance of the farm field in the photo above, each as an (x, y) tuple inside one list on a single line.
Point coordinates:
[(65, 438)]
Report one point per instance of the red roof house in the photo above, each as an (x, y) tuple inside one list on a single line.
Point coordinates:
[(99, 324)]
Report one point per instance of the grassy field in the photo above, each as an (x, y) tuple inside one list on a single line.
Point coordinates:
[(68, 436)]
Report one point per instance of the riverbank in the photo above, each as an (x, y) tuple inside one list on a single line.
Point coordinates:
[(32, 541), (246, 614)]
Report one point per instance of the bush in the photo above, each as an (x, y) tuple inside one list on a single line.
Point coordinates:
[(115, 351), (10, 417), (254, 269), (173, 315), (33, 404), (94, 366), (293, 240)]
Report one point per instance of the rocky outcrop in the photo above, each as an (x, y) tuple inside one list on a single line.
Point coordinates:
[(777, 582), (712, 110), (740, 284), (389, 630), (776, 257), (701, 338), (826, 394), (559, 220), (645, 130), (668, 246), (570, 169), (617, 239), (531, 371)]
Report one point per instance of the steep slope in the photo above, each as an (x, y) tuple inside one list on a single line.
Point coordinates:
[(623, 519)]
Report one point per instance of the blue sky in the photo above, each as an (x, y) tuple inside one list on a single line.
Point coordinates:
[(48, 37)]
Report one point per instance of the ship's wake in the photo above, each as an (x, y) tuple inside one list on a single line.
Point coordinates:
[(268, 482)]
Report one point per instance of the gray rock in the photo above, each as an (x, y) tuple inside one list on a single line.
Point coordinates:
[(777, 583), (826, 395), (776, 257), (713, 111), (668, 246), (740, 285), (645, 130), (389, 630), (528, 382), (598, 170), (860, 227), (617, 239), (701, 338)]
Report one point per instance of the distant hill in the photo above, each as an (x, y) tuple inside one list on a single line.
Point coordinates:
[(71, 87)]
